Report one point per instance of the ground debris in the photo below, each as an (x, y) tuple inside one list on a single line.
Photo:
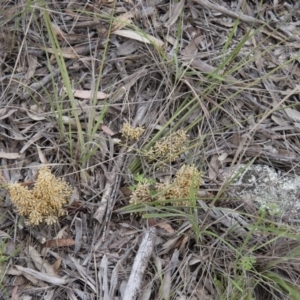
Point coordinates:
[(222, 75)]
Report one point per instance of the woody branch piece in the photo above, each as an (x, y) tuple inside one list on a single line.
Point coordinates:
[(227, 12), (140, 264)]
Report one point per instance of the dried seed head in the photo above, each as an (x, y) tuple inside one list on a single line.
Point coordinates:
[(54, 191), (21, 197), (45, 201), (168, 147), (141, 194), (131, 133), (186, 183), (51, 220)]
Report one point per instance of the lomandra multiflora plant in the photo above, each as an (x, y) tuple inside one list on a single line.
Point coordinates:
[(185, 185), (168, 148), (44, 203), (130, 133)]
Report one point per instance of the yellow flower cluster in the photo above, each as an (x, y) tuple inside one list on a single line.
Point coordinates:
[(131, 133), (141, 193), (186, 184), (45, 201), (168, 147)]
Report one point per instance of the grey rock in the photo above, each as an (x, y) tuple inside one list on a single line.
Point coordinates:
[(268, 189)]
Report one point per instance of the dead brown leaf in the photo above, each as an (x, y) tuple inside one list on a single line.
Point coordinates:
[(145, 38), (128, 47), (9, 155), (89, 94), (59, 33), (166, 226), (32, 63), (42, 156), (39, 276), (35, 117), (59, 243), (57, 264), (123, 20), (293, 114), (107, 130), (5, 113), (40, 264), (175, 13), (214, 166), (65, 52)]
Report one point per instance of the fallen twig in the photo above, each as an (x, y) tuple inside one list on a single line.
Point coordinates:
[(227, 12), (140, 265)]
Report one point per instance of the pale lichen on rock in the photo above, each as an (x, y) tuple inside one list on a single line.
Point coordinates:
[(278, 194)]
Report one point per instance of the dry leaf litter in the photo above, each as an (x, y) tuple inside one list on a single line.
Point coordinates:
[(253, 84)]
